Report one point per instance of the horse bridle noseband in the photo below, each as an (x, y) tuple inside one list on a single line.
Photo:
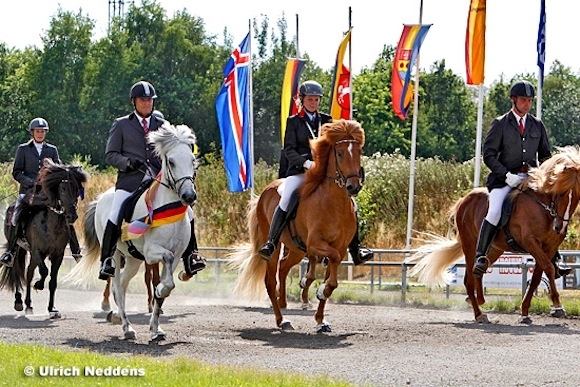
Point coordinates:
[(58, 208), (171, 181), (340, 179)]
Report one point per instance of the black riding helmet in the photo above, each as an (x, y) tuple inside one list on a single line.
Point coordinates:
[(38, 123), (310, 88), (143, 89), (522, 89)]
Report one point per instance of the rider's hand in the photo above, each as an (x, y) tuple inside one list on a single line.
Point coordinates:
[(135, 164), (513, 180), (308, 164)]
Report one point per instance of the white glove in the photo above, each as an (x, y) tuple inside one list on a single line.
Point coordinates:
[(513, 180), (308, 164)]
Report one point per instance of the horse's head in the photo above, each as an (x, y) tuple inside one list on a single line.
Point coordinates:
[(174, 145), (559, 177), (337, 154), (62, 186)]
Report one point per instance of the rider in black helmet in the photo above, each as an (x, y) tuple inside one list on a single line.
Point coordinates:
[(512, 145), (27, 163), (300, 128)]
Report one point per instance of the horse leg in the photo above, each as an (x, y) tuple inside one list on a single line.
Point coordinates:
[(56, 261), (325, 291), (306, 281), (28, 299), (165, 286), (155, 280), (270, 281), (148, 276), (285, 265), (42, 270), (105, 304), (474, 290), (120, 283)]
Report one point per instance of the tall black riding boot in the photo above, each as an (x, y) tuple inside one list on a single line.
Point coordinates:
[(486, 235), (560, 266), (358, 253), (7, 257), (193, 261), (276, 228), (73, 242), (107, 250)]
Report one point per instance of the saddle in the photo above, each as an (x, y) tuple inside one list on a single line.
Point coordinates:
[(126, 214), (506, 211)]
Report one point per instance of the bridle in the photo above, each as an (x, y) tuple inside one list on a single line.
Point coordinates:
[(340, 178), (173, 182), (552, 211)]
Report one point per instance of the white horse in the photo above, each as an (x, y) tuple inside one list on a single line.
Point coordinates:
[(164, 243)]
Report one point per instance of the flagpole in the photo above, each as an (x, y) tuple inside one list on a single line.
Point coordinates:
[(350, 63), (251, 123), (413, 145), (297, 40), (478, 136)]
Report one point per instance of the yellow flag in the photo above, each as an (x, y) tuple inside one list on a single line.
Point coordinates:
[(475, 43)]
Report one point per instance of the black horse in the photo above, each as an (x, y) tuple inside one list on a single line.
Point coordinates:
[(46, 215)]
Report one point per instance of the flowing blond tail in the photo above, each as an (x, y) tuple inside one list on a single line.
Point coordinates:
[(85, 273), (433, 260), (251, 267)]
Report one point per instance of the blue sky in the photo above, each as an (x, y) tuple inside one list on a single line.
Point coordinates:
[(512, 27)]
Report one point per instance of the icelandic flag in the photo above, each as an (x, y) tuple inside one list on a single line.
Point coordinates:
[(233, 115), (542, 42)]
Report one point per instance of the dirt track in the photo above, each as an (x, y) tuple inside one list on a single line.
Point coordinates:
[(378, 346)]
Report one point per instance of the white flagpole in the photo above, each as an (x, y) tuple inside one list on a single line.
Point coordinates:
[(251, 107), (413, 146), (478, 136)]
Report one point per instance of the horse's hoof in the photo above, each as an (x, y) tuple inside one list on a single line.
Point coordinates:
[(130, 335), (303, 282), (18, 306), (323, 328), (38, 285), (306, 305), (105, 306), (286, 326), (558, 312), (29, 310), (525, 320), (54, 314), (482, 319), (113, 318), (183, 277), (158, 336), (150, 309)]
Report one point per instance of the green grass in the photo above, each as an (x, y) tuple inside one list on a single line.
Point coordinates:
[(153, 372)]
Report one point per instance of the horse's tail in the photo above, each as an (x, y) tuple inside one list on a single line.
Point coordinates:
[(434, 258), (12, 278), (85, 273), (250, 265)]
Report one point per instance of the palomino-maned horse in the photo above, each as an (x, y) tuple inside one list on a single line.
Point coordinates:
[(164, 241), (324, 222), (46, 217), (542, 208)]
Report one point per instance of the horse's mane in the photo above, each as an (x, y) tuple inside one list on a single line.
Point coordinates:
[(169, 136), (331, 133), (52, 174), (557, 175)]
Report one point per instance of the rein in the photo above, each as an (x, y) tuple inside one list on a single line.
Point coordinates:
[(171, 181), (340, 179), (550, 209)]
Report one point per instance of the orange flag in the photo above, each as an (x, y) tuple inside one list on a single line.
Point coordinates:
[(475, 43), (341, 92)]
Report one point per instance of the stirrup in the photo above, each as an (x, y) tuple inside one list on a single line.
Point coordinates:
[(364, 254), (107, 269), (194, 263), (561, 269), (267, 250), (7, 259), (481, 266)]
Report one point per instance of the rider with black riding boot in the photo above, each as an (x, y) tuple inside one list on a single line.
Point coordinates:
[(129, 151), (512, 145), (300, 128), (27, 163)]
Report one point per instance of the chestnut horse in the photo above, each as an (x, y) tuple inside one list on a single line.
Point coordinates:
[(542, 208), (324, 221)]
